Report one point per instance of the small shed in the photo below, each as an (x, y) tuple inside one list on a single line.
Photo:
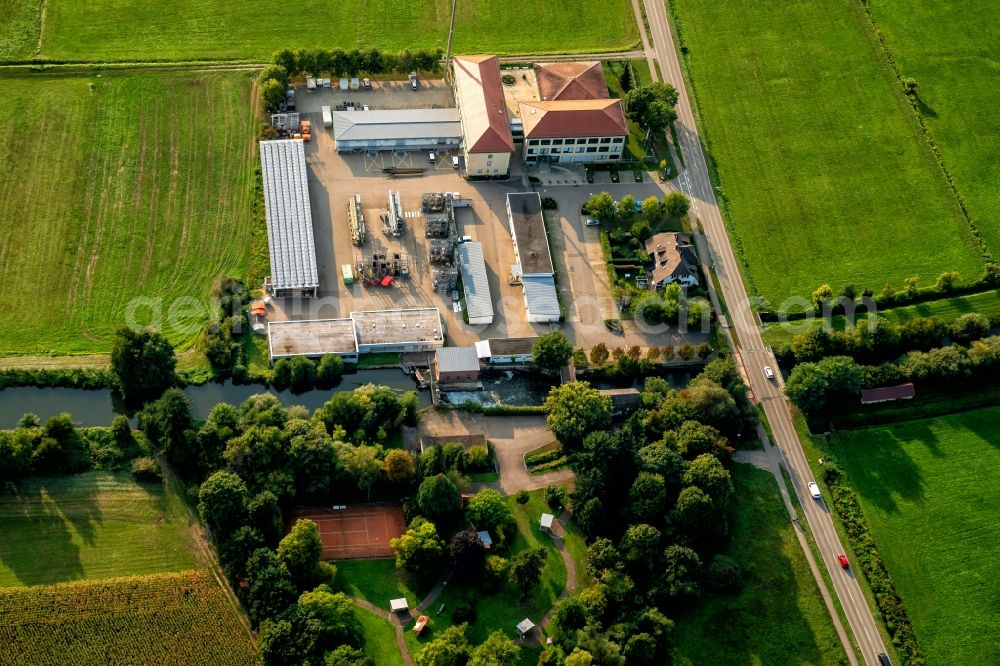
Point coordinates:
[(485, 538), (524, 627), (888, 394), (546, 521), (399, 605)]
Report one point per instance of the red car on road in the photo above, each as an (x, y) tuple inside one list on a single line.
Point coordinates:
[(843, 561)]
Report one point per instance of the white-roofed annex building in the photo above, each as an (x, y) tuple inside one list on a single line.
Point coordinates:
[(289, 219), (531, 248), (475, 284), (396, 129)]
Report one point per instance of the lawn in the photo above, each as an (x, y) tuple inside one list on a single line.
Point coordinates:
[(635, 146), (20, 23), (199, 29), (138, 620), (947, 309), (123, 196), (929, 491), (826, 174), (951, 50), (779, 616), (377, 581), (92, 525), (380, 639)]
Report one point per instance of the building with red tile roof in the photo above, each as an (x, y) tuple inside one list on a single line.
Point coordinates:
[(487, 142), (570, 80), (590, 130)]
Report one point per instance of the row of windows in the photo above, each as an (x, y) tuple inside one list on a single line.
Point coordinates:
[(570, 142), (578, 149)]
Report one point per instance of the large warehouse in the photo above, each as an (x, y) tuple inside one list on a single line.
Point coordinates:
[(531, 248), (478, 302), (289, 219), (399, 129)]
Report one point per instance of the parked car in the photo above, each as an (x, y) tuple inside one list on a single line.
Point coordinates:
[(454, 295), (364, 107), (591, 222), (883, 659), (768, 372), (814, 490), (368, 84), (465, 239), (843, 561), (430, 157), (413, 80), (454, 161)]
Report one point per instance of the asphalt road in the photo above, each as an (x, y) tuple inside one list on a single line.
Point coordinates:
[(694, 181)]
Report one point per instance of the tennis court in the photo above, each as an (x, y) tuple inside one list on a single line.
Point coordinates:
[(357, 531)]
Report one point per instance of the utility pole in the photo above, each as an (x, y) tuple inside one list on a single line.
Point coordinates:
[(451, 35)]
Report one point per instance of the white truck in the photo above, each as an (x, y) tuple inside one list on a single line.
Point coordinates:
[(327, 117)]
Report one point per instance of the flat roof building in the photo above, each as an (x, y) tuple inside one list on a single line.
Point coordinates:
[(527, 227), (503, 351), (478, 301), (312, 338), (457, 367), (399, 129), (540, 298), (487, 142), (404, 330), (289, 219)]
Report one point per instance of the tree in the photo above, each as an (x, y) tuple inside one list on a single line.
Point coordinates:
[(681, 568), (526, 570), (664, 92), (823, 386), (712, 405), (329, 371), (271, 588), (625, 79), (694, 512), (314, 462), (601, 555), (265, 516), (276, 72), (286, 59), (290, 639), (652, 210), (627, 208), (273, 94), (496, 650), (648, 498), (449, 648), (821, 297), (468, 556), (551, 351), (142, 365), (345, 655), (420, 550), (555, 497), (335, 614), (398, 466), (281, 374), (676, 204), (235, 552), (970, 326), (303, 374), (438, 498), (300, 550), (659, 115), (222, 504), (575, 409), (910, 286), (707, 473), (599, 354), (601, 206), (488, 510), (579, 657), (946, 281), (641, 544), (725, 574), (362, 464)]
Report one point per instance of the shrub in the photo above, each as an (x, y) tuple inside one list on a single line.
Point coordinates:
[(478, 459), (555, 496), (146, 469), (522, 497), (464, 612)]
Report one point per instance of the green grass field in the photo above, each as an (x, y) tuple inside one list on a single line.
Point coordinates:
[(180, 618), (948, 309), (119, 187), (380, 639), (929, 491), (200, 29), (951, 50), (779, 617), (826, 175), (20, 23), (92, 525), (377, 581)]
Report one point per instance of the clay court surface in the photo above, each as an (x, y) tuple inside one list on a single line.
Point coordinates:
[(357, 531)]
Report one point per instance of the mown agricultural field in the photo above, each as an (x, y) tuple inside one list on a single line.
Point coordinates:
[(929, 490), (779, 616), (826, 172), (117, 187), (950, 48), (92, 525), (178, 618), (201, 29)]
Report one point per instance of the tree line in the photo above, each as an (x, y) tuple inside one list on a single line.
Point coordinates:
[(654, 499)]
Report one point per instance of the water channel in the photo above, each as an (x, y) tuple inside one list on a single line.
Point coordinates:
[(95, 408)]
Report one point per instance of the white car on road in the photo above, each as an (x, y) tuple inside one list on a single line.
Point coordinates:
[(768, 372), (814, 490)]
